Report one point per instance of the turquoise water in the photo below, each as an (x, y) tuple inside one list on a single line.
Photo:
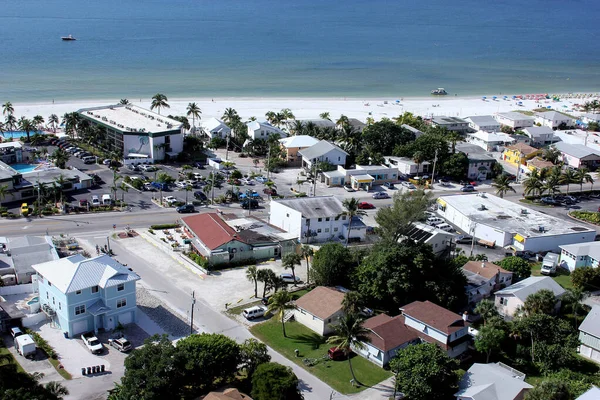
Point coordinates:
[(14, 134), (24, 168), (184, 48)]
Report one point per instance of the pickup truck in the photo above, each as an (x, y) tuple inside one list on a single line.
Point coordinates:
[(92, 343)]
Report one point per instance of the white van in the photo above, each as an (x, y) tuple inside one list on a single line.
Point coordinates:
[(89, 159), (445, 227), (433, 221), (549, 264), (106, 200), (25, 345), (254, 312)]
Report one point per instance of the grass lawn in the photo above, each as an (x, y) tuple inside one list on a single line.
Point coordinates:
[(311, 345), (562, 277), (61, 371), (238, 310), (4, 350)]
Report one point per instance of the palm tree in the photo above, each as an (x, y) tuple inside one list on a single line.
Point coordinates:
[(124, 188), (193, 111), (551, 185), (325, 115), (582, 175), (188, 188), (279, 303), (568, 177), (297, 128), (125, 102), (7, 108), (71, 120), (26, 125), (289, 261), (353, 302), (10, 122), (502, 185), (287, 114), (342, 121), (551, 154), (159, 101), (418, 159), (252, 276), (573, 298), (53, 120), (270, 185), (351, 211), (533, 184), (38, 121), (453, 137), (3, 193), (57, 389), (486, 309), (230, 116), (307, 253), (60, 158), (60, 181), (348, 333)]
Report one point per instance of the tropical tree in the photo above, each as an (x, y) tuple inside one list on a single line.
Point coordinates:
[(353, 302), (265, 275), (489, 339), (3, 192), (533, 184), (27, 126), (159, 101), (307, 253), (193, 111), (551, 185), (37, 121), (542, 301), (453, 137), (572, 299), (582, 175), (342, 121), (71, 120), (551, 154), (279, 303), (568, 176), (290, 261), (350, 333), (7, 108), (10, 122), (56, 389), (487, 310), (54, 121), (351, 211), (252, 276), (502, 185), (124, 102), (418, 158), (188, 189), (60, 183), (124, 188), (60, 158), (325, 115), (230, 116)]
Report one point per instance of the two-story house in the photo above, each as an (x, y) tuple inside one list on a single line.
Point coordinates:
[(323, 151), (320, 309), (453, 124), (485, 123), (589, 335), (580, 255), (483, 279), (87, 294), (407, 167), (510, 299), (435, 324), (518, 154), (315, 219), (262, 130), (293, 144), (578, 155), (553, 119), (540, 136), (515, 120), (490, 141), (215, 128)]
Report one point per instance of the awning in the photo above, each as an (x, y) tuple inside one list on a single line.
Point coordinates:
[(138, 155), (519, 238), (442, 202), (98, 308), (363, 178)]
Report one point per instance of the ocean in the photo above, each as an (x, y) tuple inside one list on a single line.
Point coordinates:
[(304, 48)]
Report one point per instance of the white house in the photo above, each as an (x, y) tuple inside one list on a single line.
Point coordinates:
[(315, 219), (509, 300), (515, 120), (483, 279), (492, 382), (262, 130), (362, 177), (408, 167), (553, 119), (580, 255), (589, 335), (215, 128), (435, 324), (320, 309), (453, 124), (485, 123), (578, 155), (323, 151), (503, 223), (480, 166), (438, 239), (589, 118), (540, 135), (490, 141), (592, 394)]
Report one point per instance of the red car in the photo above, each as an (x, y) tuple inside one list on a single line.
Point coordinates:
[(365, 206), (336, 354)]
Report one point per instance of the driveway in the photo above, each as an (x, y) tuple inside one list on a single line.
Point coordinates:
[(39, 363)]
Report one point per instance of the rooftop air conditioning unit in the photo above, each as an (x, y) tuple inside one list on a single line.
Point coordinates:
[(524, 211), (541, 228), (482, 207)]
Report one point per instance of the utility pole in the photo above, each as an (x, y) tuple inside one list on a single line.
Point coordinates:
[(213, 188), (315, 179), (433, 172), (226, 147), (108, 243), (268, 161), (192, 313)]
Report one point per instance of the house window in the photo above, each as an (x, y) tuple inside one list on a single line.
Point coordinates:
[(53, 300), (121, 303), (95, 289), (320, 220), (59, 306), (335, 229), (120, 287), (502, 300), (343, 217), (287, 215), (326, 230), (319, 230), (80, 309), (307, 221), (47, 295), (78, 292), (329, 320), (327, 219), (338, 217)]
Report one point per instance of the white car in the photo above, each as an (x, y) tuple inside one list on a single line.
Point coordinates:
[(95, 201), (248, 182), (261, 179), (181, 184), (408, 185), (170, 199), (289, 278), (381, 195)]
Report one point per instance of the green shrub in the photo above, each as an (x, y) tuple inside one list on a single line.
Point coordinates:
[(42, 344), (4, 214), (588, 216), (151, 231), (137, 184), (164, 226)]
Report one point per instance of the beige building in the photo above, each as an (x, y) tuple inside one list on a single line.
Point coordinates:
[(293, 144), (320, 309)]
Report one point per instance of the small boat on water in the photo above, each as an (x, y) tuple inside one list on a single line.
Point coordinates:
[(439, 92), (68, 38)]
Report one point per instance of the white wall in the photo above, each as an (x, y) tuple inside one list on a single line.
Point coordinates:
[(316, 324), (510, 306), (429, 331), (16, 289), (551, 243), (482, 231), (286, 218)]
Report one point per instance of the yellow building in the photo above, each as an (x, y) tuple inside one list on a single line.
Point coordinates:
[(538, 163), (519, 153)]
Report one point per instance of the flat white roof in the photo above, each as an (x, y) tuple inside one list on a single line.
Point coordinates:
[(130, 118), (11, 144), (298, 141), (507, 216), (492, 137)]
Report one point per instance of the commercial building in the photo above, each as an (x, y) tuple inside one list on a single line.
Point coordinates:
[(485, 123), (140, 135), (579, 255), (504, 223), (515, 120), (315, 219), (492, 382), (509, 300), (362, 177), (81, 295), (11, 152), (453, 124), (293, 144), (589, 335)]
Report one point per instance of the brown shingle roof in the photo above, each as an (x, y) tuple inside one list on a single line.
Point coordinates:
[(227, 394), (539, 163), (434, 316), (210, 229), (322, 302), (523, 148), (488, 271), (388, 333)]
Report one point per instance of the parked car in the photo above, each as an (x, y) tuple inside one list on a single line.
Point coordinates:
[(248, 182), (148, 187), (89, 159), (24, 209), (199, 164), (289, 278), (363, 205), (121, 344), (106, 161), (467, 188), (381, 195), (336, 354), (133, 167), (170, 199), (464, 239), (106, 199), (445, 227), (249, 203), (260, 179), (270, 192), (433, 221), (185, 209), (181, 184), (148, 168), (444, 182), (200, 195), (83, 203), (349, 188), (254, 312), (550, 201), (95, 201), (15, 332), (408, 185), (389, 185), (92, 343)]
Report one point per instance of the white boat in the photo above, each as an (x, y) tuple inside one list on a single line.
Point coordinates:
[(439, 92), (67, 38)]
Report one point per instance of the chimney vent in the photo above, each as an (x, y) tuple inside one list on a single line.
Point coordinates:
[(465, 316), (483, 264)]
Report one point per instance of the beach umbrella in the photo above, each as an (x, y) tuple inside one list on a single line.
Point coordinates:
[(549, 107), (514, 97), (505, 97), (483, 98), (397, 101), (494, 97)]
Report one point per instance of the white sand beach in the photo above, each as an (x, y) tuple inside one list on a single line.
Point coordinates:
[(306, 108)]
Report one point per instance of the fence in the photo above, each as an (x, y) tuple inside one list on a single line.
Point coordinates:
[(16, 289), (31, 320)]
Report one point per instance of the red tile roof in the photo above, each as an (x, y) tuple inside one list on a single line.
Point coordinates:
[(488, 270), (210, 229), (388, 333), (434, 316)]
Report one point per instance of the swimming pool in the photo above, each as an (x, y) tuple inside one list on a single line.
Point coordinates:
[(24, 168), (16, 134)]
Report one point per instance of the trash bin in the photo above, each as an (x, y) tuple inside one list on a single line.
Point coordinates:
[(83, 371), (66, 334), (89, 370), (102, 368)]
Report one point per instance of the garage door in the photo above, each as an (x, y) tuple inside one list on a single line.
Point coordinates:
[(79, 327), (125, 318)]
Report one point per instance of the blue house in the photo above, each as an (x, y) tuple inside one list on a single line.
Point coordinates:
[(87, 294)]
